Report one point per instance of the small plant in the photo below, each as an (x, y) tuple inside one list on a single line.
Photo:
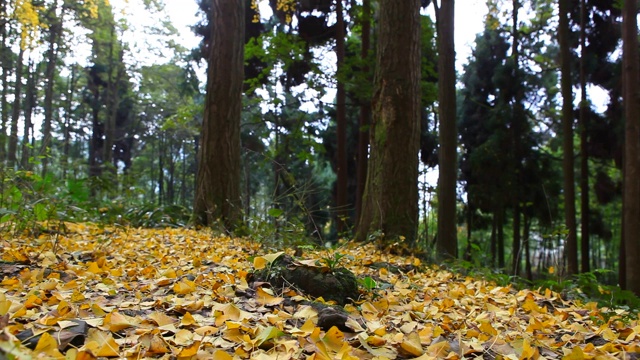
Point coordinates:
[(368, 283), (332, 260)]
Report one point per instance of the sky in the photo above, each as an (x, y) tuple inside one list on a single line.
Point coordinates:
[(469, 16)]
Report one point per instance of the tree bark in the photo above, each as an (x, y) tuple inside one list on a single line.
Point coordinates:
[(5, 57), (390, 202), (447, 243), (13, 134), (585, 256), (52, 55), (567, 140), (631, 195), (341, 116), (219, 166), (29, 105), (365, 111)]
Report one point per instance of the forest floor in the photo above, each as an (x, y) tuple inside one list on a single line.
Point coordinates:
[(94, 292)]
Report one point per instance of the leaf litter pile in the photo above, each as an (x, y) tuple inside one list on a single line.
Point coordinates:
[(182, 294)]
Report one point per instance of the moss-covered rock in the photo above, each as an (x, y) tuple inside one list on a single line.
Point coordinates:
[(337, 284)]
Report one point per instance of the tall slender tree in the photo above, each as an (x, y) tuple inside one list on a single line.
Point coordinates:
[(341, 116), (631, 195), (567, 139), (447, 240), (390, 202), (219, 161), (584, 148)]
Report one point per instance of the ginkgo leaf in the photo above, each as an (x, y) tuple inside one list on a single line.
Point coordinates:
[(267, 334), (260, 262), (115, 321), (101, 343), (264, 298), (411, 344), (49, 346)]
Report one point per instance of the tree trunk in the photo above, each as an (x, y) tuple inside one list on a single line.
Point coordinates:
[(67, 121), (341, 115), (447, 244), (631, 195), (5, 57), (219, 174), (567, 140), (13, 134), (29, 105), (527, 247), (584, 148), (390, 202), (365, 111), (517, 246), (49, 76)]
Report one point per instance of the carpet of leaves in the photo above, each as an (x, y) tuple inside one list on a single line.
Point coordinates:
[(182, 294)]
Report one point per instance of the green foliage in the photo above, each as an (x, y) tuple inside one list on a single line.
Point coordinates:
[(31, 203), (332, 260)]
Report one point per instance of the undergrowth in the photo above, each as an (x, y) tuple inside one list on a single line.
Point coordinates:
[(34, 204)]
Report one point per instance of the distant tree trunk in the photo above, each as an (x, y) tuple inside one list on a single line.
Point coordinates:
[(13, 134), (501, 236), (527, 247), (55, 31), (341, 115), (567, 140), (161, 155), (494, 242), (219, 175), (5, 58), (584, 148), (29, 104), (517, 246), (365, 111), (631, 195), (67, 121), (390, 201), (447, 243)]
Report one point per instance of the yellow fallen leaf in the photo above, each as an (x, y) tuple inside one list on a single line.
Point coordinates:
[(115, 321), (188, 320), (260, 262), (48, 345), (101, 343), (334, 338), (266, 299), (221, 355), (411, 344), (190, 350), (184, 287), (439, 349)]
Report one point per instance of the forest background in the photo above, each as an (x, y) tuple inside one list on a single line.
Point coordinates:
[(538, 179)]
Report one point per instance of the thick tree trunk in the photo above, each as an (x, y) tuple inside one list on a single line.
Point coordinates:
[(52, 55), (219, 173), (567, 140), (13, 134), (365, 111), (584, 149), (631, 195), (390, 202), (447, 244), (341, 115)]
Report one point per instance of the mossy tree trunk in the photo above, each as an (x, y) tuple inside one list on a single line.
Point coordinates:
[(447, 240), (219, 165), (631, 198), (390, 202)]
